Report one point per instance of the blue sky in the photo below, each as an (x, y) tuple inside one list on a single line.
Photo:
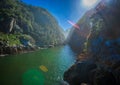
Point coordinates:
[(62, 10)]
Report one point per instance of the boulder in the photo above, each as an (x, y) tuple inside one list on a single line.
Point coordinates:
[(81, 72)]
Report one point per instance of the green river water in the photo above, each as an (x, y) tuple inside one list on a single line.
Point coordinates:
[(24, 69)]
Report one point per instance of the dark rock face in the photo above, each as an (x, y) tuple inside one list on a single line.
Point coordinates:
[(103, 47), (104, 37), (104, 77), (77, 37), (82, 72), (76, 41), (92, 74)]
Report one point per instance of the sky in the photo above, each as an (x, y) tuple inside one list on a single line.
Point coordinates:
[(63, 10)]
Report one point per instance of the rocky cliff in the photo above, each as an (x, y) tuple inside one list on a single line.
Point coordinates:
[(27, 25), (99, 64), (77, 37)]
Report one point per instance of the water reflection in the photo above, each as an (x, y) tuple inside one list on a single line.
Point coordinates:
[(16, 70)]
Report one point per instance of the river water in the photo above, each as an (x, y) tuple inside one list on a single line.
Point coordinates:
[(23, 69)]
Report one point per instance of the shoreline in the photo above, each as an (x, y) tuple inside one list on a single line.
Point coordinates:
[(6, 51), (4, 55)]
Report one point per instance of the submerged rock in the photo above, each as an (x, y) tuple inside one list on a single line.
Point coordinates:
[(63, 83)]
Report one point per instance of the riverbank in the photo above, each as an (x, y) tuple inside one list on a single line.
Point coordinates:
[(5, 51)]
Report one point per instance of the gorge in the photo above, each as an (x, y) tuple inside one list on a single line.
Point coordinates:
[(31, 37)]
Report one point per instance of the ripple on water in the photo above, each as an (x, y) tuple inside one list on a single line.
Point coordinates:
[(57, 60)]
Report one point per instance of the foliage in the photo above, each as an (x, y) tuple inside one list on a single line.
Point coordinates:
[(10, 39), (33, 21)]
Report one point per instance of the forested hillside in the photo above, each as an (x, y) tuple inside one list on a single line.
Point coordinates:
[(26, 25)]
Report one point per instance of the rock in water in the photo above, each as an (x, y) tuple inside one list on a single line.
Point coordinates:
[(63, 83), (79, 73)]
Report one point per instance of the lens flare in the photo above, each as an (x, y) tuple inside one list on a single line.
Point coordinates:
[(73, 24), (43, 68)]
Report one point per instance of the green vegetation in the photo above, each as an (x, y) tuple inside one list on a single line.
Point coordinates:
[(10, 39), (98, 24), (34, 23), (14, 39)]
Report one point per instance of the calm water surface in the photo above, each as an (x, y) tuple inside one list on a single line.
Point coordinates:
[(21, 69)]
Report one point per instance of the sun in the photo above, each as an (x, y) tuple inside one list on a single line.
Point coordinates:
[(89, 3)]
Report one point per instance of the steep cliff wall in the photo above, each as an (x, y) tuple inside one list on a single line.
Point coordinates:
[(18, 18), (102, 49)]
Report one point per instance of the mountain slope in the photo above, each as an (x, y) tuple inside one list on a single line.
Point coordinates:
[(100, 63), (77, 37), (18, 18)]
